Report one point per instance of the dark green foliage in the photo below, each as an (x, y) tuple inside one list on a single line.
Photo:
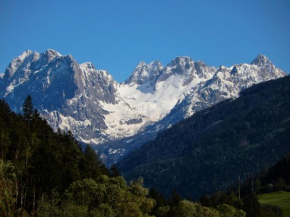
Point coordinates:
[(91, 166), (274, 179), (114, 172), (28, 110), (158, 197), (251, 205), (279, 176), (210, 150), (174, 199), (43, 173), (271, 211), (44, 161), (220, 198)]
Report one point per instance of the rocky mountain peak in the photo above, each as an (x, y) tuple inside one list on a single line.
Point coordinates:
[(181, 62), (15, 63), (155, 65), (25, 54), (199, 64), (30, 61), (179, 66), (52, 53), (222, 68), (145, 72), (261, 60), (189, 70), (87, 65), (141, 65)]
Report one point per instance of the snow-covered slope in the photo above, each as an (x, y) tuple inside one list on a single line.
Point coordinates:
[(71, 96), (154, 90), (98, 110), (226, 83), (185, 91)]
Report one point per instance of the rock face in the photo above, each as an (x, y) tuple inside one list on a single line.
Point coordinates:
[(145, 73), (224, 84), (120, 117), (69, 95)]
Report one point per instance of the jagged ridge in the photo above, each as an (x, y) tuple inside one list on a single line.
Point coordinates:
[(97, 109)]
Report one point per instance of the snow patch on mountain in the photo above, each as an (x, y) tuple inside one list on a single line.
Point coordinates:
[(121, 120), (156, 97), (91, 104)]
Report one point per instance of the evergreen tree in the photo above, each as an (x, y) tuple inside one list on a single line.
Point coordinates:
[(174, 199), (257, 185), (158, 197), (280, 184), (5, 121), (91, 165), (251, 205), (28, 110), (114, 172)]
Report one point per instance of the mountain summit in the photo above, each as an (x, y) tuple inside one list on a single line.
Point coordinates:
[(145, 73), (69, 95), (98, 110), (261, 60)]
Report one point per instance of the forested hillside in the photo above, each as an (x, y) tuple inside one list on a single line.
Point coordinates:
[(43, 173), (216, 147), (277, 178), (271, 186)]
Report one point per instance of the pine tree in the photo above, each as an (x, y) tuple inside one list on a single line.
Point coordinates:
[(174, 199), (114, 172), (28, 111), (91, 165), (251, 205), (158, 197)]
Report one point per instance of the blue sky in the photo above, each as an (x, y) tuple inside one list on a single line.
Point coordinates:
[(117, 34)]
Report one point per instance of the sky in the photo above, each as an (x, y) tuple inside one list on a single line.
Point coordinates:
[(116, 35)]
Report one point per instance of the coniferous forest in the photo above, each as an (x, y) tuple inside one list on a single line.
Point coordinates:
[(43, 173), (46, 173), (216, 147)]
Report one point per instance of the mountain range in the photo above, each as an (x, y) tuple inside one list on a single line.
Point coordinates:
[(216, 147), (119, 117)]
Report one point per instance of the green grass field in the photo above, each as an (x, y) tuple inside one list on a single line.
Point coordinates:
[(279, 198)]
